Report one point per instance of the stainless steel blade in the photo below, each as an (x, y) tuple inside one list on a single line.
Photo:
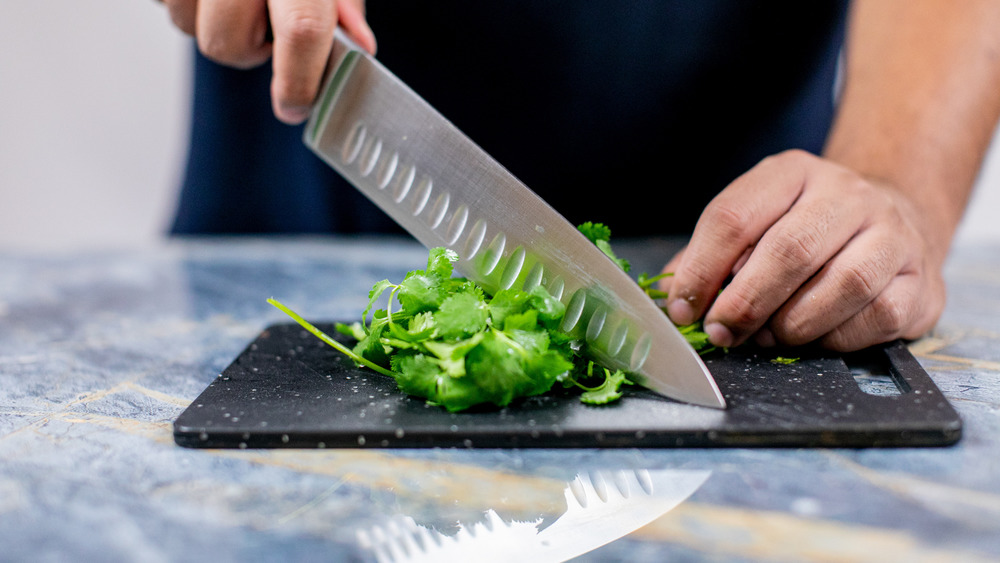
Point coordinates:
[(446, 191)]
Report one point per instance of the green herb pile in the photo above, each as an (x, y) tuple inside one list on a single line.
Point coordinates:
[(451, 343)]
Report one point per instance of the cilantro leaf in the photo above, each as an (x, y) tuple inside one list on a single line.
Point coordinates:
[(595, 231), (550, 310), (440, 262), (460, 315), (600, 235), (419, 292), (608, 391), (421, 375)]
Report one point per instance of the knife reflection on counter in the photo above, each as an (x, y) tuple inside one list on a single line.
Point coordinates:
[(601, 507)]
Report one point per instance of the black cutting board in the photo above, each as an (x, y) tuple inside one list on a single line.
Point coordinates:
[(288, 389)]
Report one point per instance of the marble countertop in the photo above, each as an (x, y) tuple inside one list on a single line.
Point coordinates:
[(101, 351)]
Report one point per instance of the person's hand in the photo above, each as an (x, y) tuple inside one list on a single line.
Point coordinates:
[(816, 253), (238, 33)]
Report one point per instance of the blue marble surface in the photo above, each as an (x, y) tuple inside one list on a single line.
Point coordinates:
[(100, 351)]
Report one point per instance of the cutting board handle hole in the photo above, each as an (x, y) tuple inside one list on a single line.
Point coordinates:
[(874, 374)]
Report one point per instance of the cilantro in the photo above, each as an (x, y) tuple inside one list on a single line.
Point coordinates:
[(600, 235), (326, 338), (696, 337), (608, 391), (646, 283), (693, 333), (452, 344), (783, 360), (444, 339)]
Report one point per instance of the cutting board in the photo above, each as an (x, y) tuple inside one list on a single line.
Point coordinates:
[(288, 389)]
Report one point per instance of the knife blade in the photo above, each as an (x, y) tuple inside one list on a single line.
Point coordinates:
[(446, 191)]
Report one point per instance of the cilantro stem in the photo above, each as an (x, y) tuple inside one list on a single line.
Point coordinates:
[(646, 282), (326, 338)]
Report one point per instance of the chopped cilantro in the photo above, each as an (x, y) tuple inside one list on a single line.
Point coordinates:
[(444, 339), (608, 391), (783, 360)]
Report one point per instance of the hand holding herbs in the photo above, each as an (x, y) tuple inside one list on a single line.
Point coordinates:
[(453, 344)]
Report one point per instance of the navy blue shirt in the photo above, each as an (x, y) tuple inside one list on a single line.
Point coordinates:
[(634, 114)]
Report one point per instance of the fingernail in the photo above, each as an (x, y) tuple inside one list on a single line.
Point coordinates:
[(295, 114), (765, 338), (719, 335), (680, 312)]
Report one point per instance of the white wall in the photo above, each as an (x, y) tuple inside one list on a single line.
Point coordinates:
[(93, 123)]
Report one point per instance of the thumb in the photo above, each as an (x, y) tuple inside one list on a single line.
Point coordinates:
[(351, 14)]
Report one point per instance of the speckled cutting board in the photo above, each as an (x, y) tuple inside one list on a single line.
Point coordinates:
[(288, 389)]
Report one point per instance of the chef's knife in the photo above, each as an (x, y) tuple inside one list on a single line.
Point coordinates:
[(446, 191)]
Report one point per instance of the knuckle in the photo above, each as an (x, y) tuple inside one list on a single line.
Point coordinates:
[(860, 281), (302, 27), (840, 341), (217, 49), (796, 155), (293, 93), (791, 329), (799, 251), (697, 274), (741, 309), (790, 157), (181, 14), (890, 316), (729, 221), (182, 22)]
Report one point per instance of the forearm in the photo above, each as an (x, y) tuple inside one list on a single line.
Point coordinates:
[(920, 101)]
